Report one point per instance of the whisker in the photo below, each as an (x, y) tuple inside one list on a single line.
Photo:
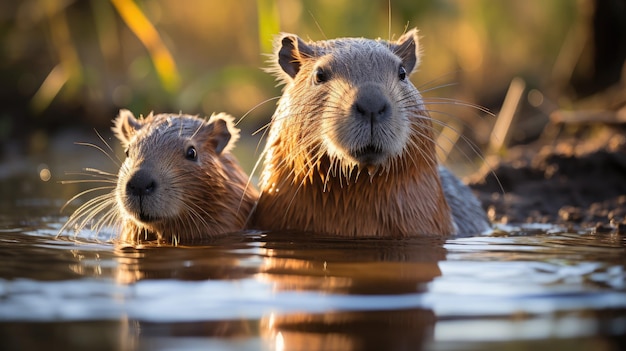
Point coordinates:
[(473, 147), (471, 144), (92, 172), (430, 85), (255, 107), (88, 211), (454, 102), (427, 90), (117, 162), (102, 188), (105, 220), (90, 181)]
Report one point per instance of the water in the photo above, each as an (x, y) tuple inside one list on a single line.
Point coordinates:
[(292, 291), (533, 287)]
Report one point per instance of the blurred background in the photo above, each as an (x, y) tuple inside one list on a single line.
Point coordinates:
[(67, 67)]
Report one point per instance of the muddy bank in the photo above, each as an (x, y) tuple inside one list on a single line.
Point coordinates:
[(573, 175)]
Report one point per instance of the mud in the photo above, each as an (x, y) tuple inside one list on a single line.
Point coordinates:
[(573, 175)]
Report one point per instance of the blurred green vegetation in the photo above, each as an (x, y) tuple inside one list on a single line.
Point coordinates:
[(76, 63)]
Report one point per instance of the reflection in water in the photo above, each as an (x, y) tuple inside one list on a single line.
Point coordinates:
[(377, 268), (220, 261), (373, 330), (350, 266), (273, 291), (367, 267)]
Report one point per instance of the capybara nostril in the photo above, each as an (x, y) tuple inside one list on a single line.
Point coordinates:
[(141, 183), (371, 105)]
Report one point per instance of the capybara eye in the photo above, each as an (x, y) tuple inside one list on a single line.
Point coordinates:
[(191, 154), (319, 76), (402, 73)]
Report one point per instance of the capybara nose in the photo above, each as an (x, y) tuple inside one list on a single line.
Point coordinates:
[(371, 105), (141, 183)]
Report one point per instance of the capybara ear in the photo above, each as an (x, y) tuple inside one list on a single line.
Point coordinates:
[(408, 49), (290, 52), (222, 132), (125, 126)]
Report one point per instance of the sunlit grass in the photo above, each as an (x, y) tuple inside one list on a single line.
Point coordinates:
[(269, 23), (149, 37), (68, 68)]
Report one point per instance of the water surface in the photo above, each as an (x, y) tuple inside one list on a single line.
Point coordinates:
[(290, 291)]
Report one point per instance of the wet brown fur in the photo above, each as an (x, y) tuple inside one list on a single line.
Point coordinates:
[(313, 178)]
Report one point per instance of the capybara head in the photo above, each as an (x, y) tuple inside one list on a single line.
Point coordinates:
[(178, 182), (176, 178), (355, 101)]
